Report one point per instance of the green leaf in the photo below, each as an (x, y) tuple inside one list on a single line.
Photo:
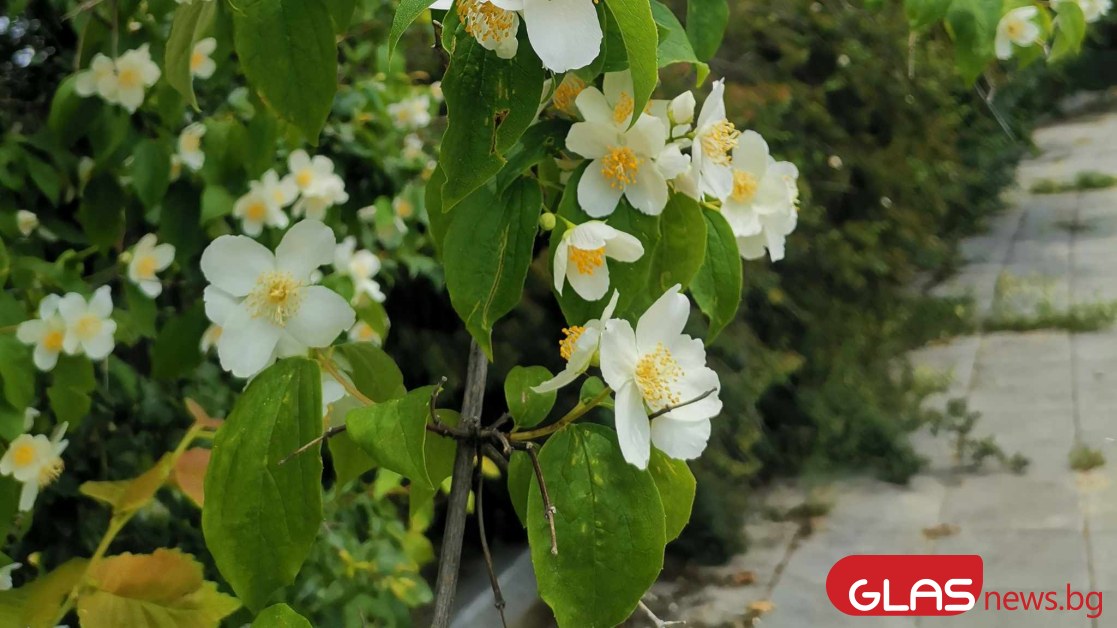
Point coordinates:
[(341, 12), (287, 51), (406, 13), (216, 202), (101, 213), (520, 477), (175, 352), (180, 220), (394, 433), (487, 253), (674, 47), (924, 13), (973, 26), (260, 519), (373, 371), (609, 523), (280, 616), (190, 23), (526, 406), (151, 171), (717, 286), (45, 177), (71, 382), (682, 245), (706, 21), (490, 103), (641, 40), (17, 372), (70, 114), (1070, 30), (676, 487)]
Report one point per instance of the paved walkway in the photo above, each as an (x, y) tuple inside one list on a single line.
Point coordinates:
[(1039, 393)]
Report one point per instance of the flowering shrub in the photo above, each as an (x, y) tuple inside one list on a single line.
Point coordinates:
[(164, 211)]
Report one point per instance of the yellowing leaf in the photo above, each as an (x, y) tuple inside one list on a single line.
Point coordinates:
[(130, 495), (201, 417), (160, 590), (190, 473), (36, 603)]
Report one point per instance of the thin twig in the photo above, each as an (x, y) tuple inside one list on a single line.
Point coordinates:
[(328, 434), (81, 8), (449, 560), (666, 409), (434, 400), (498, 597), (548, 507), (659, 623), (575, 413), (499, 460), (987, 98)]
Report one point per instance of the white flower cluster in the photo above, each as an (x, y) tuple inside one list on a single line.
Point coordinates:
[(311, 185), (121, 81), (665, 393), (266, 304), (1020, 27), (666, 147), (70, 324), (360, 266), (148, 258)]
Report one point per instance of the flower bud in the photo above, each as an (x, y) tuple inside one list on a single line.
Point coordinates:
[(682, 108), (547, 221)]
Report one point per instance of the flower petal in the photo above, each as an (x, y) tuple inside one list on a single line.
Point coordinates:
[(596, 195), (565, 34), (590, 139), (624, 248), (247, 344), (593, 106), (633, 428), (590, 286), (751, 154), (322, 316), (308, 245), (683, 440), (618, 353), (648, 193), (663, 321), (233, 263), (561, 260)]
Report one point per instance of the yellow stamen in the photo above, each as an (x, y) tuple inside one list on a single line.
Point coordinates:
[(656, 373), (719, 141), (622, 111), (196, 60), (404, 209), (145, 267), (53, 340), (128, 78), (50, 471), (566, 345), (744, 186), (191, 143), (88, 326), (620, 166), (276, 297), (567, 93), (304, 177), (586, 261), (23, 454), (256, 211), (486, 21)]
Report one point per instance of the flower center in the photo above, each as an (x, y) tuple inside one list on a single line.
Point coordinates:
[(53, 340), (145, 267), (586, 260), (191, 143), (256, 211), (196, 60), (622, 111), (278, 196), (656, 373), (366, 333), (404, 209), (88, 326), (304, 178), (719, 140), (567, 93), (1014, 29), (128, 78), (50, 471), (566, 345), (23, 454), (744, 186), (620, 166), (276, 297), (486, 21)]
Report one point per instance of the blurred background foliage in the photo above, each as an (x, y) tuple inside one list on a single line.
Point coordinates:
[(899, 161)]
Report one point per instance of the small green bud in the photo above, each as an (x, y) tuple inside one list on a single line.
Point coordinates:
[(547, 221)]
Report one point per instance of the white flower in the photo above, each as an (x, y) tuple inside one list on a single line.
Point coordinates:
[(682, 107), (491, 25), (567, 93), (760, 209), (27, 222), (314, 205), (581, 253), (359, 266), (363, 332), (625, 161), (34, 461), (1094, 10), (316, 181), (412, 113), (201, 65), (46, 332), (89, 328), (135, 72), (579, 347), (190, 146), (6, 575), (149, 258), (714, 140), (29, 416), (265, 303), (99, 79), (264, 203), (652, 368), (412, 147), (1017, 27)]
